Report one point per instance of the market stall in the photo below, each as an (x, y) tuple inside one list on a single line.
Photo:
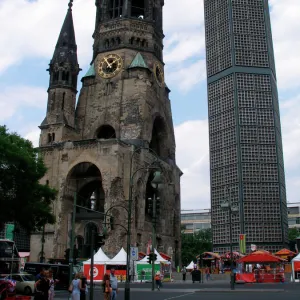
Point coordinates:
[(296, 269), (161, 264), (210, 260), (225, 261), (100, 261), (261, 267), (119, 263)]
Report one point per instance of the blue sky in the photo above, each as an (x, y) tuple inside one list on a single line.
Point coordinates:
[(29, 33)]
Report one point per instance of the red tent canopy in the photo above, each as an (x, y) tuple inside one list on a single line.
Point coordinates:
[(165, 256), (260, 257)]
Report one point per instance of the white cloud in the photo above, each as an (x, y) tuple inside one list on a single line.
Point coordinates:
[(33, 136), (14, 98), (31, 29), (285, 27), (192, 155), (187, 75)]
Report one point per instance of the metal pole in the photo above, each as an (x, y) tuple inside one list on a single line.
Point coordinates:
[(92, 266), (42, 258), (153, 239), (72, 239), (127, 282), (231, 253)]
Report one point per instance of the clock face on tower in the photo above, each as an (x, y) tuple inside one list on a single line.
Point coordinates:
[(110, 65), (159, 74)]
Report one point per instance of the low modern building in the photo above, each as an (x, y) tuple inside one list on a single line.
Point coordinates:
[(294, 215), (195, 220)]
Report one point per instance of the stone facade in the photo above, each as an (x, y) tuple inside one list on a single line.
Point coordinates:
[(89, 148)]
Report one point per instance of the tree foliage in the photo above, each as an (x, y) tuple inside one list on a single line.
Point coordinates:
[(195, 244), (22, 198), (293, 233)]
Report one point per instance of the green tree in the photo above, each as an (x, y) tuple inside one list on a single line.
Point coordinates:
[(293, 233), (22, 198), (194, 244)]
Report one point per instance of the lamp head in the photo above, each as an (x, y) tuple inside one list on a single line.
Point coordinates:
[(157, 180)]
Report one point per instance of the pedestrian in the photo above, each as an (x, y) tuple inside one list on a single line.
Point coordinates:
[(183, 271), (52, 283), (113, 284), (157, 279), (106, 287), (75, 287), (207, 273), (42, 287), (143, 273), (84, 288)]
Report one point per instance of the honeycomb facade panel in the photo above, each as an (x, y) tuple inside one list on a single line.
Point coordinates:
[(246, 153)]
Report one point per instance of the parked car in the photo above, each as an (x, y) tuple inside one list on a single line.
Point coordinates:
[(24, 283), (7, 288)]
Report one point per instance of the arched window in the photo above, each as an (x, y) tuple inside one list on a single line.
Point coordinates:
[(53, 137), (138, 9), (106, 132), (106, 44), (49, 138), (115, 9), (131, 41), (55, 77), (159, 137), (118, 40), (63, 101)]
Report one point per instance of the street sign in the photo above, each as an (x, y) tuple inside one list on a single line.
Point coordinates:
[(134, 253)]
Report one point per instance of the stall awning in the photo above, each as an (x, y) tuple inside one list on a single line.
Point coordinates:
[(24, 254), (165, 256), (260, 257), (285, 252)]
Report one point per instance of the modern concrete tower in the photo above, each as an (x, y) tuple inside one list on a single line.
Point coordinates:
[(91, 148), (246, 158)]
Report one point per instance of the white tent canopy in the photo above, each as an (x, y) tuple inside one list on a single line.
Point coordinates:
[(190, 266), (159, 258), (99, 258), (119, 259), (296, 260)]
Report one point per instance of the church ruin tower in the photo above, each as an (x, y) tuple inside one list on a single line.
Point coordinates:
[(123, 105)]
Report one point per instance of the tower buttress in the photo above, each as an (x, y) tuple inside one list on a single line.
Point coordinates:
[(63, 70)]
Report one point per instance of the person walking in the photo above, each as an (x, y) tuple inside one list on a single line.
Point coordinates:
[(52, 283), (157, 279), (42, 287), (143, 273), (183, 271), (83, 289), (75, 287), (113, 284), (207, 273), (106, 287)]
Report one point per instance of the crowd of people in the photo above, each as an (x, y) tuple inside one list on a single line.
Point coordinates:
[(45, 284)]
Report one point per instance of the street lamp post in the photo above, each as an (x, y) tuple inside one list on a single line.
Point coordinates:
[(131, 177), (232, 209)]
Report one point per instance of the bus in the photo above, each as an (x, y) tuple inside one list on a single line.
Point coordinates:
[(10, 260)]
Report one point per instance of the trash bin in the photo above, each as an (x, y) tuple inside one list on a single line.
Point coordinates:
[(196, 276)]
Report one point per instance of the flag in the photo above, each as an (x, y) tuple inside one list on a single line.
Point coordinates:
[(149, 246), (242, 243)]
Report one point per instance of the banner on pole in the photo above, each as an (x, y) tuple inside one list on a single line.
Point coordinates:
[(243, 243), (9, 232)]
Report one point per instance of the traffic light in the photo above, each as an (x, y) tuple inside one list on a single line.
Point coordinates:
[(67, 255), (157, 206), (99, 241), (154, 256), (150, 206), (150, 258)]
